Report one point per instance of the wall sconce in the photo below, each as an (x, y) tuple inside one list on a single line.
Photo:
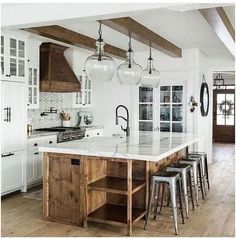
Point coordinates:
[(192, 104)]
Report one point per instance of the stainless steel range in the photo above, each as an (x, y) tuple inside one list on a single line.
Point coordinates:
[(66, 133)]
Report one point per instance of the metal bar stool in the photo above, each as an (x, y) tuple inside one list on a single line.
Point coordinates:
[(173, 181), (204, 165), (185, 173)]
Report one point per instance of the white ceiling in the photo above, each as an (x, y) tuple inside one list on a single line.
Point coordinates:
[(185, 29)]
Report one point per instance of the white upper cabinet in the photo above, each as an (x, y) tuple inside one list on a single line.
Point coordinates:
[(84, 98), (13, 58), (33, 74)]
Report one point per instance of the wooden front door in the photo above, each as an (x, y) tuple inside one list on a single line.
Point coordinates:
[(224, 115)]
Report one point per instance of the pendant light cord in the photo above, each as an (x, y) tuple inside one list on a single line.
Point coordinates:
[(150, 60), (100, 40), (130, 51)]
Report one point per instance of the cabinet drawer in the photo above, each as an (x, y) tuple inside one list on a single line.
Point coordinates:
[(93, 133), (34, 143), (52, 140)]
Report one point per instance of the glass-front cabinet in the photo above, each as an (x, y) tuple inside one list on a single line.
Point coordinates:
[(171, 108), (33, 86), (84, 97), (145, 109), (13, 58), (162, 108)]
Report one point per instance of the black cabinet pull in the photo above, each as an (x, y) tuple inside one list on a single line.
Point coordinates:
[(75, 162), (87, 135), (35, 144), (7, 155), (9, 113), (97, 133), (36, 153), (7, 109), (50, 142)]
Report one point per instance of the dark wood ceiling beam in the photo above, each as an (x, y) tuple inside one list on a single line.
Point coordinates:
[(220, 23), (139, 32), (65, 35)]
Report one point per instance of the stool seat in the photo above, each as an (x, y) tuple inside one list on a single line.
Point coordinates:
[(165, 174), (179, 166)]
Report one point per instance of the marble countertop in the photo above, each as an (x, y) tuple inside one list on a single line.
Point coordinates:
[(37, 134), (148, 146)]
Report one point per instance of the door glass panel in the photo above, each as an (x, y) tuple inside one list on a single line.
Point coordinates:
[(30, 95), (12, 47), (145, 94), (89, 97), (76, 98), (35, 95), (165, 94), (2, 45), (86, 97), (30, 76), (230, 120), (12, 66), (176, 127), (220, 120), (165, 113), (21, 67), (90, 85), (145, 112), (35, 77), (145, 126), (21, 49), (177, 113), (220, 98), (165, 127), (80, 98), (2, 65), (230, 98)]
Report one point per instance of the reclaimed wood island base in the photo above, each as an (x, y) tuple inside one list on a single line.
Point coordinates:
[(80, 188)]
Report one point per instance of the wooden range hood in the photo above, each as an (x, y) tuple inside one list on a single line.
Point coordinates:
[(55, 72)]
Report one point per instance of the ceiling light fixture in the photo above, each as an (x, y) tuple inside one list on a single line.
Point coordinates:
[(150, 76), (99, 67), (129, 72)]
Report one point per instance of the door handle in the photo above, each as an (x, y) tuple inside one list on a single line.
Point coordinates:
[(7, 155)]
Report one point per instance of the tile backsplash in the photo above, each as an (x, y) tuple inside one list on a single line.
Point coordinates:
[(48, 100)]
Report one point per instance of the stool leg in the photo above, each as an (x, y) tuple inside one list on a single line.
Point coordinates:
[(185, 190), (180, 200), (201, 183), (191, 188), (157, 195), (168, 199), (202, 167), (194, 171), (174, 205), (149, 205), (207, 176), (162, 196)]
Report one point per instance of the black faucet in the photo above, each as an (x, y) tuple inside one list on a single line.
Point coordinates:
[(127, 129)]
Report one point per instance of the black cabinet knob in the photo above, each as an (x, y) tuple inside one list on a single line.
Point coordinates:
[(35, 144), (50, 142), (97, 133)]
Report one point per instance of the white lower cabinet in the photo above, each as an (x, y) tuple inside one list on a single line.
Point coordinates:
[(34, 159), (12, 171)]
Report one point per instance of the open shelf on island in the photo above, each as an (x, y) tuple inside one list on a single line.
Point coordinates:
[(115, 214), (116, 185)]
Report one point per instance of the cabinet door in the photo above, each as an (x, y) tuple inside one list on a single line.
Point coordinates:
[(33, 86), (12, 171), (38, 164), (13, 115), (3, 57)]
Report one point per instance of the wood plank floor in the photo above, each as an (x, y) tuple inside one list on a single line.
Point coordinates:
[(215, 216)]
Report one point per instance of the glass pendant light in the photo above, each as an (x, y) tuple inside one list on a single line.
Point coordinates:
[(99, 67), (129, 72), (150, 76)]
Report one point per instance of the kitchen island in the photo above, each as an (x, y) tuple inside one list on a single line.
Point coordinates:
[(106, 179)]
